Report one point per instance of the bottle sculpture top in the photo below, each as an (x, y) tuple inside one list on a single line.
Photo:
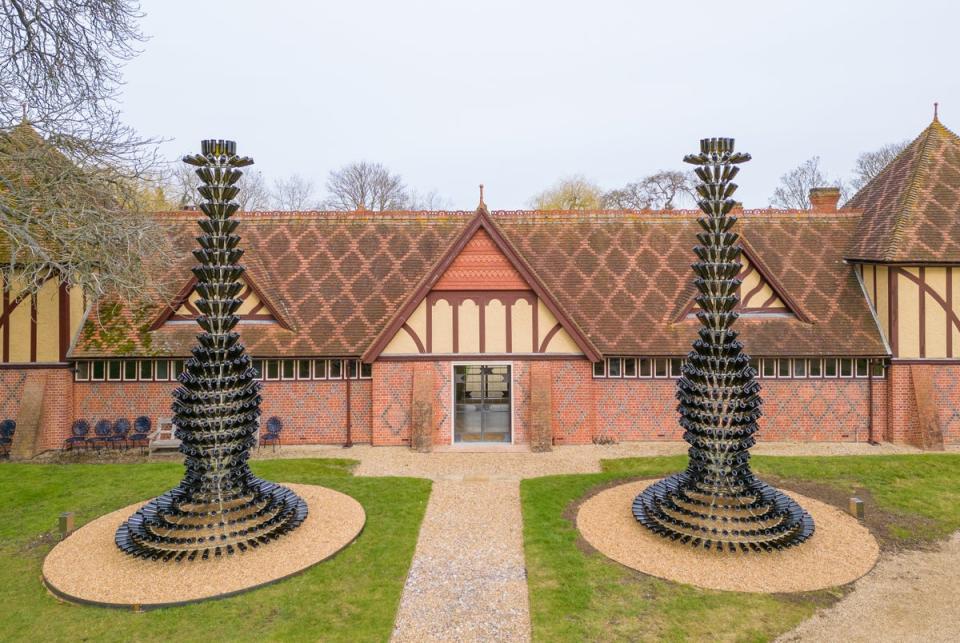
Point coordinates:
[(718, 501), (220, 507)]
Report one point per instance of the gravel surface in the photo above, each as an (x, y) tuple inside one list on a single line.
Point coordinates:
[(840, 551), (909, 597), (88, 566), (468, 579)]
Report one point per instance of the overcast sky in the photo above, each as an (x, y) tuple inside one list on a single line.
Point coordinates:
[(516, 94)]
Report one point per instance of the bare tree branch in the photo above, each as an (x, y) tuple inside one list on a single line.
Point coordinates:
[(365, 186), (293, 193), (869, 164), (793, 192), (661, 191), (571, 193)]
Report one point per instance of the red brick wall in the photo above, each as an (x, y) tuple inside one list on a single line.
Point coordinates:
[(904, 419), (573, 399), (57, 413), (11, 390), (392, 394), (803, 410), (312, 412)]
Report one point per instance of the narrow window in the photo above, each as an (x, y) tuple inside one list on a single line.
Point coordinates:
[(599, 368), (815, 368), (660, 366), (784, 367), (273, 369), (303, 369), (366, 371), (163, 370), (146, 369), (177, 365), (130, 370), (98, 369), (352, 369), (846, 368), (877, 368), (755, 363), (82, 374), (319, 369), (861, 368), (676, 367), (336, 369), (830, 367), (288, 368), (629, 366), (613, 367), (799, 368), (646, 368), (769, 368), (114, 370)]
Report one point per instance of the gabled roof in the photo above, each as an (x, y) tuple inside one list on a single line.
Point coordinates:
[(766, 281), (911, 210), (480, 221), (615, 279)]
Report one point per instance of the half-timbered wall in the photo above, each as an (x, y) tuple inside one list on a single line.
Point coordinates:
[(757, 295), (918, 308), (252, 308), (38, 328)]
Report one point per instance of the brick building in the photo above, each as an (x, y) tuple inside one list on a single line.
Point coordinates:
[(433, 328)]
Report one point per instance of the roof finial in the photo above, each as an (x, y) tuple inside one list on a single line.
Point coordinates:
[(23, 106), (935, 110), (481, 194)]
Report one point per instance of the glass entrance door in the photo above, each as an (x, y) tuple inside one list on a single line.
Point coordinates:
[(481, 403)]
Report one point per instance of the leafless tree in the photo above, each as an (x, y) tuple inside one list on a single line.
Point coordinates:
[(365, 186), (661, 191), (793, 192), (293, 193), (254, 193), (181, 189), (430, 200), (869, 164), (570, 193), (74, 176)]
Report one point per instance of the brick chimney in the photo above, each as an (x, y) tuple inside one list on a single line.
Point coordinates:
[(824, 199)]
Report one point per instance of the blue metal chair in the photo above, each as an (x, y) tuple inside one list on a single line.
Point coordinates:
[(121, 428), (102, 432), (7, 429), (78, 437), (141, 433), (272, 434)]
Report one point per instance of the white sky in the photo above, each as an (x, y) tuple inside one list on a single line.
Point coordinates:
[(517, 94)]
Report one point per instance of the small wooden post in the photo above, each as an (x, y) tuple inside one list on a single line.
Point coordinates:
[(856, 508), (66, 524)]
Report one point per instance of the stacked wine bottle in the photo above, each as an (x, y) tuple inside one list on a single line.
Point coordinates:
[(220, 507), (718, 503)]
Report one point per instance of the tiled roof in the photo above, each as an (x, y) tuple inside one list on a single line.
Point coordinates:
[(336, 278), (626, 278), (623, 279), (911, 210)]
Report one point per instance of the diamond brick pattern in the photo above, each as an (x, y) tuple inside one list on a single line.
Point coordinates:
[(911, 210), (625, 278)]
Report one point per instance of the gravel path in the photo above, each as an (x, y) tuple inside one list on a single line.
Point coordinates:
[(468, 579), (913, 596)]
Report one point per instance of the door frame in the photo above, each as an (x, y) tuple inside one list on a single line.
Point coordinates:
[(453, 395)]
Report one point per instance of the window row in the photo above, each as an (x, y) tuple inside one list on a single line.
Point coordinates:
[(165, 370), (767, 368)]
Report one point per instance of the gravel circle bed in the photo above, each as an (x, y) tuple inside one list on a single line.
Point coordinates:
[(840, 551), (87, 567)]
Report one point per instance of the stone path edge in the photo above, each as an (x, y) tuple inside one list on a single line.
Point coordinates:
[(60, 595)]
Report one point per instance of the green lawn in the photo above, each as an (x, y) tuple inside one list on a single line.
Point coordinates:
[(352, 597), (579, 596)]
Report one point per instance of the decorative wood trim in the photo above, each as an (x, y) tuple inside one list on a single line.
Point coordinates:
[(952, 318), (4, 316), (63, 320), (893, 275), (483, 325), (949, 304), (171, 308), (33, 328), (37, 365), (509, 315), (182, 298), (536, 327), (922, 313), (481, 357), (480, 219), (413, 335), (546, 340)]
